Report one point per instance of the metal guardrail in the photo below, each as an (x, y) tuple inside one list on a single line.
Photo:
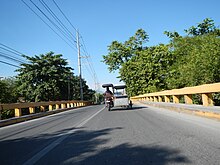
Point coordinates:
[(51, 105), (205, 90)]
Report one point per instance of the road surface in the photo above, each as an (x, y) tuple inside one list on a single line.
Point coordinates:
[(93, 135)]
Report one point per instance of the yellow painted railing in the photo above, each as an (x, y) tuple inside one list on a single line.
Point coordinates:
[(51, 105), (205, 91)]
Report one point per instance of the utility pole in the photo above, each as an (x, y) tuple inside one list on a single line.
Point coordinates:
[(79, 65)]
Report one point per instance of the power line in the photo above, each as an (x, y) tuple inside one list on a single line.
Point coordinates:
[(93, 73), (7, 56), (54, 24), (9, 64), (47, 24), (66, 34), (89, 62), (67, 31), (64, 15), (11, 53), (16, 52)]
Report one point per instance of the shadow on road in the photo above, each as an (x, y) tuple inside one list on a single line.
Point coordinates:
[(88, 147), (128, 109), (134, 155)]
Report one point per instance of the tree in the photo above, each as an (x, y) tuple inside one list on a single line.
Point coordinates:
[(88, 94), (44, 78), (148, 71), (196, 56), (8, 90), (188, 60), (197, 61), (120, 53), (8, 95), (207, 26)]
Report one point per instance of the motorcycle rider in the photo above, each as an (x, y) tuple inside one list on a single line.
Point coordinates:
[(108, 94)]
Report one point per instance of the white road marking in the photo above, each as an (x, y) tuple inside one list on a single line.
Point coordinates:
[(51, 146)]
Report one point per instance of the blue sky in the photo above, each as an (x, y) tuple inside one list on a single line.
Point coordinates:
[(99, 22)]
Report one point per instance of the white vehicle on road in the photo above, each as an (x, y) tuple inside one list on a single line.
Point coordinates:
[(119, 97)]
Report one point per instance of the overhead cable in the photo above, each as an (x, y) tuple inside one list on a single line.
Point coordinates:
[(67, 31), (10, 64), (64, 15), (47, 24)]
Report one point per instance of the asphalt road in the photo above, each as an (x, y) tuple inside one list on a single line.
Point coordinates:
[(93, 135)]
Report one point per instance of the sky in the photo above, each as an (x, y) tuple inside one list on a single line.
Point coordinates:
[(99, 23)]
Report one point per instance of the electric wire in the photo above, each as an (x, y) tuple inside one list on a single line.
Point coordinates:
[(63, 30), (67, 31), (7, 56), (88, 56), (52, 22), (11, 52), (47, 24), (16, 52), (10, 64), (64, 15), (12, 55)]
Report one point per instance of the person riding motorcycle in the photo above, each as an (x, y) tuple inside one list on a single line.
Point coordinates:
[(108, 95)]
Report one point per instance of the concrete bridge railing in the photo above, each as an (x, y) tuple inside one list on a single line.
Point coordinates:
[(51, 105), (205, 91)]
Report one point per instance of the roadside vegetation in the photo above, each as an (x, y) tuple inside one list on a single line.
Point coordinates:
[(188, 60), (45, 77)]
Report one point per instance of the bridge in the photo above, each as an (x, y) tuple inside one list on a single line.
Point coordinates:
[(160, 129)]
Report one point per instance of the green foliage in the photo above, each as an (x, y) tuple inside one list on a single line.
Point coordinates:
[(47, 78), (99, 98), (172, 34), (44, 78), (88, 94), (188, 60), (207, 26), (197, 61), (120, 53), (8, 90), (148, 71), (8, 95)]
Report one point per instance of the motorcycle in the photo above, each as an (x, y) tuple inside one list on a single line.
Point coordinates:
[(109, 103)]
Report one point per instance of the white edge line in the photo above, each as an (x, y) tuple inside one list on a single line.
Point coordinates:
[(51, 146)]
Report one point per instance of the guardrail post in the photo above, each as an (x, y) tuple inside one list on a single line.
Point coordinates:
[(57, 106), (31, 109), (68, 105), (50, 107), (71, 105), (176, 99), (160, 98), (188, 99), (18, 112), (207, 99), (167, 99), (63, 106), (42, 108), (155, 99)]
